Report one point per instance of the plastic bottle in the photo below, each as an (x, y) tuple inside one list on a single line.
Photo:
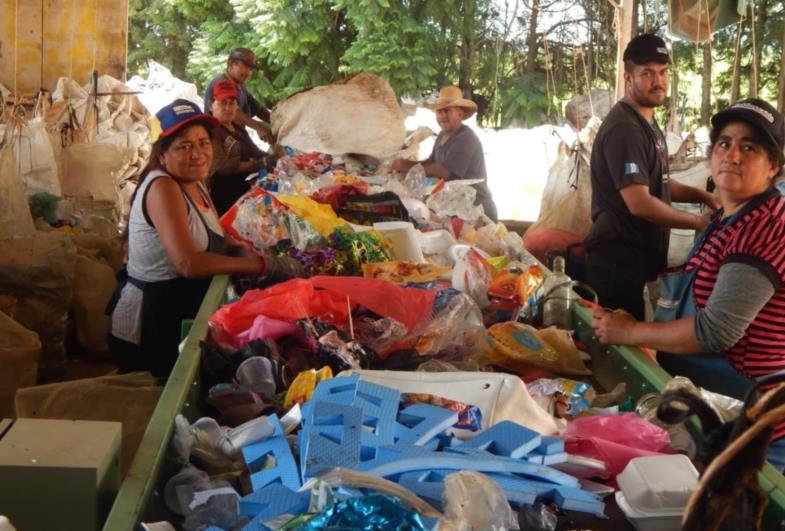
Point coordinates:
[(557, 289)]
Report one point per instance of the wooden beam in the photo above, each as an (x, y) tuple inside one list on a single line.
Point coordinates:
[(625, 13)]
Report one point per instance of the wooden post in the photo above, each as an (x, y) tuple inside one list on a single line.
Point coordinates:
[(625, 10)]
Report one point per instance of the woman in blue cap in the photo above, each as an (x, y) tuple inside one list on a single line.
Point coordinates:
[(175, 245)]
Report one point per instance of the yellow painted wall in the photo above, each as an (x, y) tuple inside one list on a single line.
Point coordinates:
[(43, 40)]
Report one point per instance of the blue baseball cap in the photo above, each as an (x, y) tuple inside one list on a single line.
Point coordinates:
[(178, 114)]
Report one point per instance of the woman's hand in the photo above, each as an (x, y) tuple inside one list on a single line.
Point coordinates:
[(612, 327), (283, 268)]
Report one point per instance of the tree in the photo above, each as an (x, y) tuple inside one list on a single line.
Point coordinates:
[(524, 57), (706, 85), (164, 30)]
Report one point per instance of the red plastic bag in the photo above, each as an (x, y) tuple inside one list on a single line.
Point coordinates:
[(411, 306), (615, 439), (324, 297)]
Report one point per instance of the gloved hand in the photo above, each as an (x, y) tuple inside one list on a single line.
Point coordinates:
[(283, 268)]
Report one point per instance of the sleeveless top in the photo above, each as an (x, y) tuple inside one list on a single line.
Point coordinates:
[(147, 257)]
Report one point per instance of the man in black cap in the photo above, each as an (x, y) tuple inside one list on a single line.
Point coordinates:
[(631, 190), (239, 67)]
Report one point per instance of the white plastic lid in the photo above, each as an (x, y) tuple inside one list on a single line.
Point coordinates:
[(658, 483)]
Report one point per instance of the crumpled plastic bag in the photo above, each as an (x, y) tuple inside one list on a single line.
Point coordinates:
[(473, 275), (615, 439), (327, 298), (474, 501), (455, 200)]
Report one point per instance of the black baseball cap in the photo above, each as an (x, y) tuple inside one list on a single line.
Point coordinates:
[(758, 114), (646, 48), (246, 56)]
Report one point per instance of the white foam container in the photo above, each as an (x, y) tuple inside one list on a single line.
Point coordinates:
[(655, 490)]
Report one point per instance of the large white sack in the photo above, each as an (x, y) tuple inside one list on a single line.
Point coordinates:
[(15, 218), (360, 115), (36, 161)]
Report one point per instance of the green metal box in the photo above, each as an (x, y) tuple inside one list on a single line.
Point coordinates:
[(58, 474)]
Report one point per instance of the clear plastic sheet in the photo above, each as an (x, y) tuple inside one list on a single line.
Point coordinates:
[(474, 501)]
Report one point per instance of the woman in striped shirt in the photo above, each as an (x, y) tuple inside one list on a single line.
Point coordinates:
[(739, 283)]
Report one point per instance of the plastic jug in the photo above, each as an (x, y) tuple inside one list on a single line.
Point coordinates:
[(558, 297)]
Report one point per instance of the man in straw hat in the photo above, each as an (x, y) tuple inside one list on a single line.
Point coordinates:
[(240, 66), (457, 152), (631, 190)]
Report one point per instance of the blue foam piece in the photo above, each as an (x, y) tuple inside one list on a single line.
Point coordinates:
[(339, 390), (506, 439), (537, 472), (551, 445), (447, 441), (419, 423), (571, 499), (285, 469), (380, 407), (433, 444), (272, 500), (549, 459), (330, 438), (429, 522), (398, 459)]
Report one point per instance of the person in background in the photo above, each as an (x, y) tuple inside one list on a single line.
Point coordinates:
[(739, 283), (235, 156), (240, 65), (457, 152), (631, 189), (175, 245)]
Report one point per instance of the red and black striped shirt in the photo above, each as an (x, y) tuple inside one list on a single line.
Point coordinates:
[(755, 237)]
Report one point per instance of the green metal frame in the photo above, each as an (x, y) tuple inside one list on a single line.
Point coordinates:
[(611, 364), (143, 481)]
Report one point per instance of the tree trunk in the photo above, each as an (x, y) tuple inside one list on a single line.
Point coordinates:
[(781, 83), (706, 85), (734, 87), (531, 53), (760, 23), (467, 48)]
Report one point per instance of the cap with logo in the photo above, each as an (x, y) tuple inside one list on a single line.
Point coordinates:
[(224, 89), (758, 114), (173, 117), (646, 48), (246, 56)]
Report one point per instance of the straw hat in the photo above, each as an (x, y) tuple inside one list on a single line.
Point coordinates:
[(451, 96)]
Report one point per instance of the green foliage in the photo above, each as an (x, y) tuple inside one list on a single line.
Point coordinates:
[(523, 100), (420, 45)]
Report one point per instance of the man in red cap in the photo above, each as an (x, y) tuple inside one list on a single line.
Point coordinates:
[(239, 67)]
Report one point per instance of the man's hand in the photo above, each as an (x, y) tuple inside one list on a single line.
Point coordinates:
[(263, 132), (612, 327), (402, 165), (712, 201)]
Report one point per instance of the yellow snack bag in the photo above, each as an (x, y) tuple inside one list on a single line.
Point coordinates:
[(302, 387)]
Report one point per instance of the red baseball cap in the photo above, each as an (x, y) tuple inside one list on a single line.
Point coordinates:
[(224, 89)]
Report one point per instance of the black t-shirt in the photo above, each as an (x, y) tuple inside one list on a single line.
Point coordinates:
[(628, 150)]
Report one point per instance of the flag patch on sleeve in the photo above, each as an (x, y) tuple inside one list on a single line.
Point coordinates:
[(630, 168)]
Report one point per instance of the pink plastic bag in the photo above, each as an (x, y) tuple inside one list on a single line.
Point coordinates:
[(265, 328), (615, 439)]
